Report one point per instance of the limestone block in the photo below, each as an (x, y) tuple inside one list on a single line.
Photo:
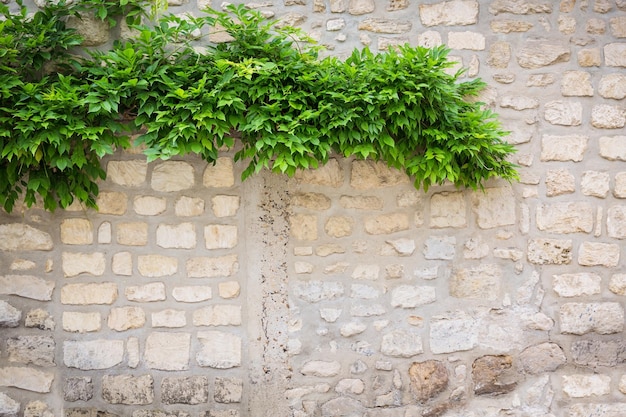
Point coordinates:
[(620, 185), (37, 409), (189, 206), (582, 318), (192, 294), (622, 384), (510, 25), (125, 318), (401, 344), (342, 406), (542, 358), (366, 271), (576, 83), (495, 207), (291, 20), (76, 232), (89, 293), (321, 368), (22, 265), (449, 13), (219, 350), (360, 202), (147, 205), (594, 353), (454, 332), (303, 226), (314, 291), (8, 406), (350, 386), (29, 379), (565, 217), (339, 226), (597, 253), (335, 24), (371, 175), (185, 390), (171, 176), (91, 29), (574, 285), (616, 221), (615, 54), (122, 263), (225, 205), (559, 181), (563, 113), (229, 289), (613, 86), (382, 25), (518, 102), (567, 24), (93, 354), (618, 26), (83, 263), (402, 247), (440, 247), (27, 286), (428, 379), (499, 54), (167, 351), (540, 80), (473, 41), (364, 292), (79, 322), (169, 318), (36, 350), (474, 248), (595, 184), (538, 54), (613, 147), (429, 39), (481, 282), (218, 315), (581, 386), (112, 202), (154, 291), (522, 7), (329, 175), (338, 6), (38, 318), (563, 148), (617, 284), (128, 389), (132, 234), (591, 57), (598, 409), (78, 389), (105, 233), (313, 201), (494, 375), (176, 236), (410, 296), (206, 267), (604, 116), (549, 251), (448, 209), (303, 267), (386, 223), (157, 265), (352, 328), (130, 173), (359, 7)]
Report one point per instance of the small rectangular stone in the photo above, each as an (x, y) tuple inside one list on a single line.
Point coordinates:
[(582, 318), (89, 293)]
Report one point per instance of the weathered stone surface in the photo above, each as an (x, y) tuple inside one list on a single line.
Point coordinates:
[(9, 315), (170, 413), (563, 113), (382, 25), (218, 315), (350, 386), (428, 379), (454, 332), (93, 354), (303, 226), (559, 181), (219, 350), (542, 358), (619, 190), (616, 221), (538, 54), (37, 409), (207, 267), (225, 205), (576, 83), (409, 296), (36, 350), (466, 40), (185, 390), (565, 217), (314, 291), (339, 226), (589, 57), (594, 353), (494, 207), (321, 368), (28, 379), (38, 318), (359, 7), (386, 223), (613, 147), (580, 386), (401, 344), (168, 351), (494, 375), (481, 282), (549, 251), (335, 24), (582, 318), (130, 173), (342, 406), (613, 86), (313, 201), (567, 24), (76, 232), (189, 206), (617, 284), (79, 322), (521, 7), (510, 25), (27, 286), (169, 318), (78, 389), (8, 406), (228, 390), (132, 233), (128, 389), (574, 285), (605, 116), (125, 318), (153, 266), (449, 13), (615, 54), (122, 263), (89, 293), (229, 289), (192, 294), (329, 175), (517, 102), (448, 210), (112, 202), (75, 264), (371, 175), (352, 328), (176, 236), (171, 176), (597, 253), (154, 291), (361, 202), (595, 184), (598, 409), (499, 54)]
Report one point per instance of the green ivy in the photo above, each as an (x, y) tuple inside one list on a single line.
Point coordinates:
[(59, 114)]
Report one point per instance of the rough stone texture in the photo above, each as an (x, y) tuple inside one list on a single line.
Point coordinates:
[(616, 222), (185, 390), (582, 318), (453, 332), (78, 389), (127, 173), (27, 286), (125, 318), (407, 296), (128, 389), (613, 86), (563, 113), (9, 315), (225, 205), (549, 251), (386, 224), (219, 350), (89, 293), (605, 116), (538, 54), (36, 350), (37, 318), (580, 386), (482, 282), (193, 294), (597, 409), (179, 236), (597, 253), (28, 379), (76, 232), (594, 353), (79, 322), (154, 291), (565, 218), (617, 284), (400, 343), (167, 351), (172, 176), (613, 147), (218, 315), (8, 406), (228, 390), (574, 285), (542, 358), (205, 267), (449, 13), (595, 184), (75, 264), (495, 207), (93, 354), (448, 210), (428, 379), (614, 54), (91, 29), (563, 148), (494, 375), (157, 265)]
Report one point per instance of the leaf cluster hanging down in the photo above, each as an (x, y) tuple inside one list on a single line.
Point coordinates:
[(59, 114)]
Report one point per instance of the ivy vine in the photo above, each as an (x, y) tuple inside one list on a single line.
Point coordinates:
[(61, 113)]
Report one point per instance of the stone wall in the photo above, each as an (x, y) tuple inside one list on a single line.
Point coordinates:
[(345, 291)]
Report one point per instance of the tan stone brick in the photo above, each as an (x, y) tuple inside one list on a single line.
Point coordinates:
[(303, 226), (510, 25), (618, 26), (125, 318), (157, 265), (361, 202), (448, 209), (595, 26), (78, 263), (382, 25), (449, 13), (598, 254), (218, 315), (549, 251), (225, 205), (620, 185), (617, 284), (105, 233), (613, 86), (221, 174), (565, 217), (494, 207), (329, 175), (89, 293), (167, 351), (220, 236), (604, 116), (563, 148), (615, 54), (466, 40), (229, 289), (206, 267), (359, 7), (92, 30), (559, 181), (20, 236), (482, 282), (580, 386), (130, 173), (149, 206), (169, 318), (371, 174), (122, 263), (591, 57), (429, 39), (170, 176), (576, 83), (595, 184), (386, 223), (176, 236), (132, 234), (29, 379), (613, 147), (313, 201), (153, 291), (112, 202), (538, 54), (339, 226), (189, 206), (522, 7), (78, 322), (219, 350), (563, 113), (583, 318), (27, 286), (616, 221), (76, 232)]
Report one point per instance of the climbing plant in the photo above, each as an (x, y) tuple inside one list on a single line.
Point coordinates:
[(60, 112)]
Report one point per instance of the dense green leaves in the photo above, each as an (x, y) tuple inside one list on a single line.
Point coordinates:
[(291, 109)]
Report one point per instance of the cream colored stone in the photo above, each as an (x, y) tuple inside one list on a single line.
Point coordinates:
[(604, 116), (567, 24), (176, 236), (599, 254), (127, 173), (549, 251), (361, 202), (429, 39), (482, 282), (217, 236), (27, 286), (167, 351), (499, 54), (594, 183), (473, 41), (565, 217), (132, 234), (93, 354), (617, 284), (225, 205), (169, 318), (338, 6), (105, 233), (494, 207), (219, 350), (78, 263), (206, 267), (613, 147), (537, 54), (448, 209), (371, 174), (613, 86), (125, 318), (339, 226), (78, 322), (122, 263), (559, 181), (229, 289), (221, 174), (522, 7), (580, 386), (576, 83), (28, 379), (303, 226), (382, 25), (171, 176), (313, 201), (583, 318), (149, 206), (563, 148), (157, 265), (329, 175), (615, 54), (218, 315), (510, 25), (359, 7), (89, 293), (153, 291), (618, 26), (563, 113), (616, 221), (76, 232), (386, 223), (620, 185), (449, 13), (595, 26), (291, 19), (321, 368), (518, 102), (189, 206), (589, 57), (540, 80), (112, 202), (192, 294), (329, 249)]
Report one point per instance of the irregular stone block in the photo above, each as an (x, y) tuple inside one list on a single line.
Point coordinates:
[(229, 289), (132, 234), (598, 254), (575, 285), (93, 354), (616, 222), (359, 7), (350, 386), (455, 332), (361, 202), (594, 353), (189, 206), (171, 176), (122, 264), (92, 30), (27, 286), (112, 202), (510, 25), (8, 406), (329, 249), (521, 7), (89, 293), (78, 389), (582, 318), (105, 232), (565, 217), (342, 406), (315, 291), (205, 267), (589, 57), (604, 116), (329, 175), (125, 318), (613, 148), (613, 86), (494, 207), (36, 350), (218, 315), (169, 413), (576, 84), (179, 236), (382, 25), (371, 174), (401, 343), (440, 247), (352, 328), (128, 389), (448, 210), (313, 201), (617, 285), (9, 315), (580, 386), (549, 251), (615, 54), (322, 369), (542, 358), (538, 54), (499, 54), (563, 113), (75, 264), (220, 174), (153, 266), (559, 181), (81, 322), (409, 296), (428, 379), (185, 390), (168, 351), (127, 173), (339, 226), (155, 291), (595, 184), (219, 350), (29, 379), (494, 375), (482, 282), (149, 206), (594, 409), (367, 272), (76, 232), (449, 13), (38, 318), (303, 226), (193, 294)]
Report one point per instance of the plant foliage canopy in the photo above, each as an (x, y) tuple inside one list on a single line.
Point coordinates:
[(61, 113)]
